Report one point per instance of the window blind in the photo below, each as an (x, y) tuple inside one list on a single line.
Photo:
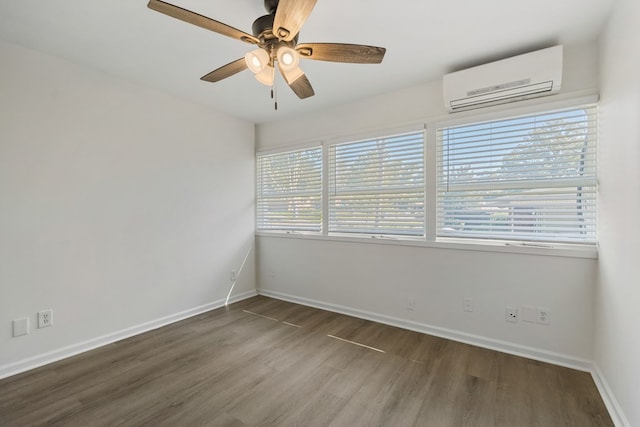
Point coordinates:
[(289, 191), (528, 178), (377, 186)]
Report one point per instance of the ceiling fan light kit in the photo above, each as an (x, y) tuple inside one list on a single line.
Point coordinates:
[(288, 57), (266, 76), (288, 60), (257, 60), (276, 37)]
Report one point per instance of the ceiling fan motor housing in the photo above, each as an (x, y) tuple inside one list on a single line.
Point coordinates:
[(263, 29), (263, 25), (271, 6)]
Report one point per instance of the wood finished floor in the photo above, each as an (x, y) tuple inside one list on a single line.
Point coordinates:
[(265, 362)]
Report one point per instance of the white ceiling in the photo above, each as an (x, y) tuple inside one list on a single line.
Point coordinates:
[(424, 39)]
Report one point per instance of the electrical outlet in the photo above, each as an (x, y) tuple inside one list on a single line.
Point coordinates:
[(45, 318), (467, 304), (511, 314), (233, 276), (411, 304), (544, 316)]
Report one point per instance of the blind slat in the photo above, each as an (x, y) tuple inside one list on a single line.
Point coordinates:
[(377, 186), (526, 178), (289, 191)]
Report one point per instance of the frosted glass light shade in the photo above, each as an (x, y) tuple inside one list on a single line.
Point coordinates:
[(257, 60), (288, 58), (266, 76)]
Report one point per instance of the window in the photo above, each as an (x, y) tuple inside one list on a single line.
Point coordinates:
[(529, 178), (377, 186), (289, 191), (505, 184)]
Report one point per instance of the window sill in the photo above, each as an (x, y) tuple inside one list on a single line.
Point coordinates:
[(528, 248)]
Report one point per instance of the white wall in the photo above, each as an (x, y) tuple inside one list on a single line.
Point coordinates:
[(376, 278), (380, 278), (118, 206), (618, 291)]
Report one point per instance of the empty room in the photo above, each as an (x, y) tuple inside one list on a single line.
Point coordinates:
[(319, 213)]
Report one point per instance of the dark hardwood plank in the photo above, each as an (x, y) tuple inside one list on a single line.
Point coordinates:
[(265, 362)]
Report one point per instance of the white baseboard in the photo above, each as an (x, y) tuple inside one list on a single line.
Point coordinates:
[(477, 340), (68, 351), (610, 401)]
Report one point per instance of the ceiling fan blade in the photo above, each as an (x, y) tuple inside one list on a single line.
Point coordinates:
[(297, 81), (201, 21), (225, 71), (290, 16), (342, 52), (302, 87)]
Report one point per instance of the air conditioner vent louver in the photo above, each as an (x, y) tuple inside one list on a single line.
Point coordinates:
[(496, 88), (525, 76)]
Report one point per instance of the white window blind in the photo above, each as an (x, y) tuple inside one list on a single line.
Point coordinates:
[(528, 178), (289, 191), (377, 186)]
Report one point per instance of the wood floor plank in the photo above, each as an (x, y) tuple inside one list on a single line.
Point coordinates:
[(582, 399), (365, 402), (265, 362), (514, 404), (401, 399), (317, 412)]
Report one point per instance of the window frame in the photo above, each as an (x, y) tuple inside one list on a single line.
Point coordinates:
[(429, 240)]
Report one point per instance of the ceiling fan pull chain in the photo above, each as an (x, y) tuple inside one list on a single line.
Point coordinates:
[(274, 95)]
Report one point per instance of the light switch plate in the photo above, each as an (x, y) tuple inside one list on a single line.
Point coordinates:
[(21, 326), (529, 314)]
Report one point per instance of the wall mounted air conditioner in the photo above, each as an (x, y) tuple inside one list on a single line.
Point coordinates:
[(530, 75)]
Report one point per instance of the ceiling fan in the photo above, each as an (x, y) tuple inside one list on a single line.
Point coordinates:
[(276, 37)]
